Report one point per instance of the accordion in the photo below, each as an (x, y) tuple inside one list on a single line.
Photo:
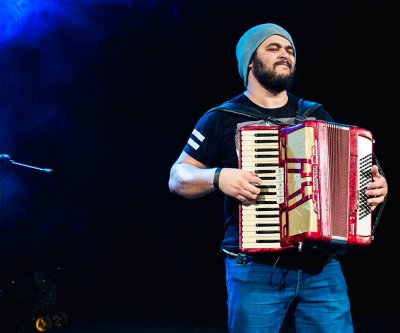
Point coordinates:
[(314, 176)]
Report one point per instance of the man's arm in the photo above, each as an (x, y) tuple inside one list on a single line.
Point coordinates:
[(190, 178), (193, 179)]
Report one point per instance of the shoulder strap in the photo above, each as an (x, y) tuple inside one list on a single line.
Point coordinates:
[(239, 109), (304, 109), (245, 110)]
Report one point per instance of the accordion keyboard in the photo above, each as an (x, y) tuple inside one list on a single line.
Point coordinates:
[(260, 226)]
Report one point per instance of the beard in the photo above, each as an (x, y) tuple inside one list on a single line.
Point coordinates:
[(269, 79)]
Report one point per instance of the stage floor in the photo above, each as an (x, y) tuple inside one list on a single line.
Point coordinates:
[(165, 325)]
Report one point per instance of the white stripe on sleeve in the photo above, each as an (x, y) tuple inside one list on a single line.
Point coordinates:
[(198, 135), (193, 143)]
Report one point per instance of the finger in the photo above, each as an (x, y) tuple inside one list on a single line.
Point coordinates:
[(245, 201), (375, 171), (375, 200), (255, 179), (375, 192), (250, 188), (377, 184), (249, 195)]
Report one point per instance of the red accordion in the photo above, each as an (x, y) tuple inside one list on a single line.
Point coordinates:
[(314, 181)]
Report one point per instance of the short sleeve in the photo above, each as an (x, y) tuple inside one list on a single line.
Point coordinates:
[(203, 143)]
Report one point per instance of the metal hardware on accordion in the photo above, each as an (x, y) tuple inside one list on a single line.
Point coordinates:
[(314, 180)]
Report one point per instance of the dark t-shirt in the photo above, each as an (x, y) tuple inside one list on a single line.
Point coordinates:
[(212, 143)]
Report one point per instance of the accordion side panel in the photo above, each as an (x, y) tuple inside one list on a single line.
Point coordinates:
[(302, 188), (360, 215), (321, 179)]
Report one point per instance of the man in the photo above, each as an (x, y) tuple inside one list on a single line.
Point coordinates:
[(260, 287)]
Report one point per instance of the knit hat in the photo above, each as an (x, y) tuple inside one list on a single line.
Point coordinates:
[(251, 39)]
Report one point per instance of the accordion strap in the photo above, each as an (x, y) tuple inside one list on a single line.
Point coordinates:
[(245, 110), (304, 109)]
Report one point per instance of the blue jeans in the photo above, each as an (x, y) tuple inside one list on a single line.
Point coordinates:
[(259, 296)]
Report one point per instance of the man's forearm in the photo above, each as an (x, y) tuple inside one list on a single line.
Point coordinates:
[(190, 181)]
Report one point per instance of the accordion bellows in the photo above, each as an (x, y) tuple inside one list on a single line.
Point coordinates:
[(314, 181)]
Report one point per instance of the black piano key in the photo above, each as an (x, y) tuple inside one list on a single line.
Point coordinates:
[(264, 134), (267, 241), (265, 202), (264, 171), (266, 209), (264, 156), (265, 141), (266, 186), (265, 149), (267, 225)]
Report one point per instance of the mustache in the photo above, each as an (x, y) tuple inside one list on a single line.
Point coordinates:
[(284, 62)]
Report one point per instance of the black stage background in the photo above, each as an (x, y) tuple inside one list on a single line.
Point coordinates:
[(106, 93)]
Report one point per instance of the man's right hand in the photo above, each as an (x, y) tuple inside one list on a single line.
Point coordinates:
[(240, 184)]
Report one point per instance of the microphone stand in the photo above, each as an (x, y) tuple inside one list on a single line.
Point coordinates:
[(7, 158)]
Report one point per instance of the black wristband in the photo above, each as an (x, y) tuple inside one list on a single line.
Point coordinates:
[(216, 178)]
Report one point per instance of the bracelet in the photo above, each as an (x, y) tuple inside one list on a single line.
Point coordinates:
[(216, 178)]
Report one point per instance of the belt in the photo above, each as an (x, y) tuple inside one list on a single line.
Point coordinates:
[(289, 258)]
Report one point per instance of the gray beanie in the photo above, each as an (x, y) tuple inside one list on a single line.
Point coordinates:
[(251, 39)]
